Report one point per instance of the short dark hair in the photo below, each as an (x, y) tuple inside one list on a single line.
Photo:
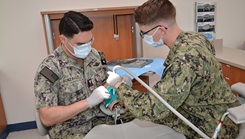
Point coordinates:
[(155, 10), (74, 22)]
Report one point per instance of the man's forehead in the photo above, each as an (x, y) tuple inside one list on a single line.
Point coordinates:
[(83, 37)]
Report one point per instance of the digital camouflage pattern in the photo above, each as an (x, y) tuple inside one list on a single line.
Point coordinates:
[(192, 83), (74, 84)]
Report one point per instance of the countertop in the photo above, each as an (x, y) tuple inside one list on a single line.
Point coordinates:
[(152, 67), (231, 56)]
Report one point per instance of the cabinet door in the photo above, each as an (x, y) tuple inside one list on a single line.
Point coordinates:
[(138, 86), (3, 121), (104, 36), (238, 75), (55, 32), (103, 31)]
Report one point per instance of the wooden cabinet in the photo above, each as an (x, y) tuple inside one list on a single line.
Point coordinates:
[(233, 74), (3, 121), (108, 23), (138, 86)]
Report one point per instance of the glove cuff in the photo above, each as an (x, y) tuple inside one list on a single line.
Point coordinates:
[(115, 82), (90, 102)]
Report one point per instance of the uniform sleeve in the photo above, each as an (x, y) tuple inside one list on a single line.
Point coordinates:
[(45, 91), (174, 88)]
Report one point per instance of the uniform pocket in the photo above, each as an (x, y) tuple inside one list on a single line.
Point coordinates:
[(71, 91), (101, 76)]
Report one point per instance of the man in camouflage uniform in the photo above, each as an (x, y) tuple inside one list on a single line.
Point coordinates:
[(192, 81), (69, 82)]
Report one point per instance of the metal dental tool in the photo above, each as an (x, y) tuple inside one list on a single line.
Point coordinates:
[(116, 115)]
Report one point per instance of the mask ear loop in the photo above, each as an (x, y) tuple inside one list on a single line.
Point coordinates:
[(155, 32), (163, 31), (69, 49)]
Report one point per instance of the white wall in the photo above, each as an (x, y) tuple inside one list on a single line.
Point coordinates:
[(23, 44), (230, 22)]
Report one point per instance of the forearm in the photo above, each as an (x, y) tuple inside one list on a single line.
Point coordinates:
[(58, 114), (144, 106)]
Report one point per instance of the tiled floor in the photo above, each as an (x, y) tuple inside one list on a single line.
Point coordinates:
[(26, 134)]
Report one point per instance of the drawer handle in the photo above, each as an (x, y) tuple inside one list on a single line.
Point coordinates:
[(228, 66), (227, 78)]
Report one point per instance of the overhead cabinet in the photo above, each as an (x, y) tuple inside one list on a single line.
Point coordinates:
[(114, 31)]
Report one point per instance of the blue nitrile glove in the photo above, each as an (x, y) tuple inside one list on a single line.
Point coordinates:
[(113, 94)]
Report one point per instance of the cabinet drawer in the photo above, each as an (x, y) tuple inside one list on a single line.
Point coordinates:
[(237, 75), (226, 70), (233, 74)]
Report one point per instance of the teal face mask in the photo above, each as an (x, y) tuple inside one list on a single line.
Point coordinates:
[(113, 94)]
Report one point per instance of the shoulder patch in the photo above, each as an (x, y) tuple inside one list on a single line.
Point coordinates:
[(102, 56), (49, 74)]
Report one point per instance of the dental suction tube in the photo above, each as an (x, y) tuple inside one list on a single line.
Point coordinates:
[(163, 101)]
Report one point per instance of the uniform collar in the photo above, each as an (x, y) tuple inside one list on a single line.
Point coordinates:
[(174, 48)]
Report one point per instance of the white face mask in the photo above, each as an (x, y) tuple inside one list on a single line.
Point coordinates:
[(149, 40), (82, 51)]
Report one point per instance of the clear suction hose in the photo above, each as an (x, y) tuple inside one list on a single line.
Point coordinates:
[(163, 101)]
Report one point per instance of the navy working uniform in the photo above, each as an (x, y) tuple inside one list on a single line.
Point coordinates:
[(60, 81), (193, 84)]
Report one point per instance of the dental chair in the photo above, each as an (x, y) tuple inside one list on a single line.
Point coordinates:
[(136, 129), (42, 129), (131, 130), (239, 89)]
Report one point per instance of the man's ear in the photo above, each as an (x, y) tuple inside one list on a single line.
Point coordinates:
[(62, 39), (163, 31)]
